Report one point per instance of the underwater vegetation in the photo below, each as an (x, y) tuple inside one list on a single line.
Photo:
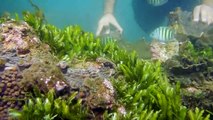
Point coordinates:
[(193, 69), (48, 107), (142, 89)]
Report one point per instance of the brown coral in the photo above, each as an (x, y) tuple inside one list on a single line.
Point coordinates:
[(11, 95), (16, 36), (23, 60)]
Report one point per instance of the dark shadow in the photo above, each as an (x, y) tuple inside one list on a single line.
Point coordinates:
[(150, 17)]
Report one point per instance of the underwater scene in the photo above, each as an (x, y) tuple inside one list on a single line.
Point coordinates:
[(106, 60)]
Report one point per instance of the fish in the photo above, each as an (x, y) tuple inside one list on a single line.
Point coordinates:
[(163, 34), (110, 35), (157, 2)]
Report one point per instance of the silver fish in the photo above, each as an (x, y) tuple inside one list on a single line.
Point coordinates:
[(157, 2), (163, 34)]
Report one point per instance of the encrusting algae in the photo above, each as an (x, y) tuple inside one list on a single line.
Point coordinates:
[(27, 63), (106, 80), (13, 45)]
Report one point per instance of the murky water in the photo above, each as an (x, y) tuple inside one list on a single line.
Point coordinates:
[(136, 17)]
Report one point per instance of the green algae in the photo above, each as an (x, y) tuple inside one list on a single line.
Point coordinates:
[(39, 72), (2, 62), (140, 75), (144, 90), (49, 107)]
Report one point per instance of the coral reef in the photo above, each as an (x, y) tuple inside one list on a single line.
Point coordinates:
[(193, 69), (17, 36), (189, 60), (183, 23), (18, 60), (165, 51), (11, 93), (49, 107), (92, 81), (94, 72), (31, 65), (186, 30)]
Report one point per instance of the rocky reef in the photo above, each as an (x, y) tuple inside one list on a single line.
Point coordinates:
[(165, 51), (195, 75), (77, 83), (193, 66), (26, 63), (186, 30), (183, 23), (12, 95), (13, 47), (91, 80)]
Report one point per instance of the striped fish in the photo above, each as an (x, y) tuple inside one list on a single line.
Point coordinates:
[(157, 2), (163, 34), (107, 39), (110, 36)]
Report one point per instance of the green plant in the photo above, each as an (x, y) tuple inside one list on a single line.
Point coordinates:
[(144, 90), (33, 20), (195, 54), (47, 107), (197, 115), (138, 113), (4, 17), (154, 92)]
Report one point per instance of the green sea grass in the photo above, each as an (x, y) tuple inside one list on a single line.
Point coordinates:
[(144, 91)]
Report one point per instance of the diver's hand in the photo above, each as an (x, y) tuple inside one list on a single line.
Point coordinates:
[(106, 20), (203, 13)]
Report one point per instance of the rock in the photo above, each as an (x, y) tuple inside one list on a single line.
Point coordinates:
[(164, 51), (26, 63), (93, 84), (193, 69), (186, 25), (16, 36), (6, 92), (23, 66)]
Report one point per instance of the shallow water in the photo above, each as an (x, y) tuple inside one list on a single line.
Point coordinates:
[(192, 69), (142, 48), (135, 16), (86, 14)]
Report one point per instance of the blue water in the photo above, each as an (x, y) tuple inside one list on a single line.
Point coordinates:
[(136, 17)]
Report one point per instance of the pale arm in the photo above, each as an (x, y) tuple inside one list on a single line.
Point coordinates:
[(108, 18), (204, 12), (208, 2), (109, 6)]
